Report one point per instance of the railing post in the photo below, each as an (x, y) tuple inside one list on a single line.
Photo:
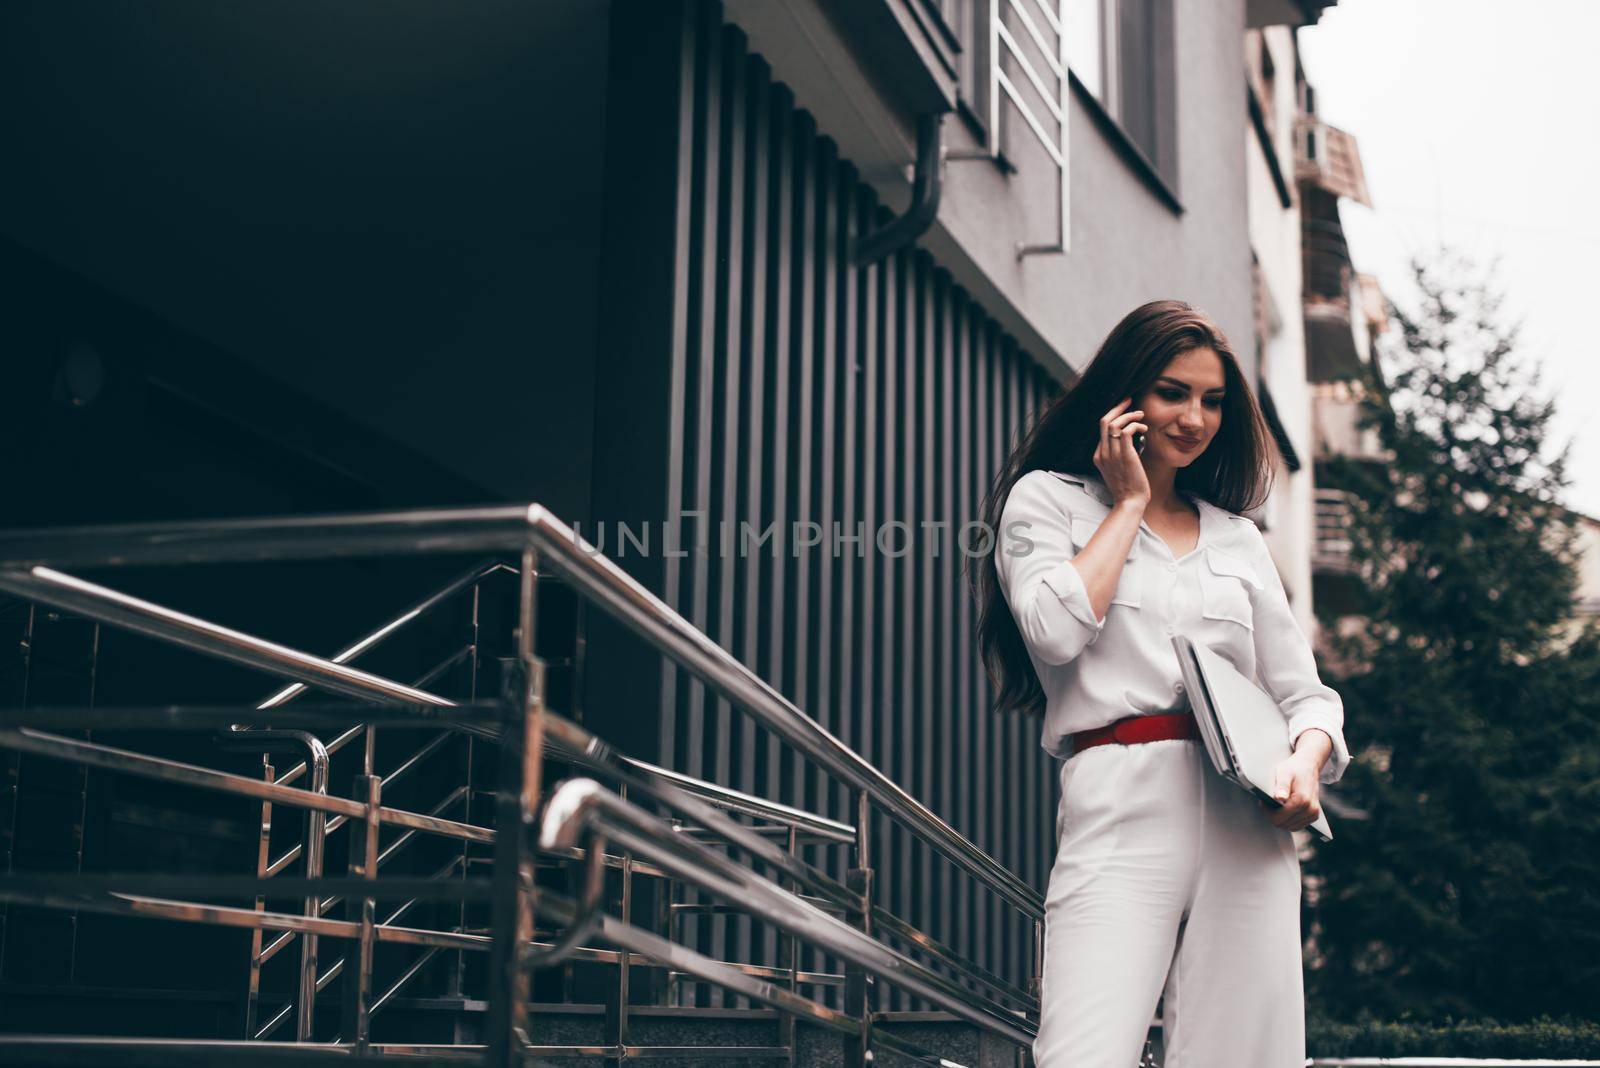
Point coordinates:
[(252, 994), (458, 967), (859, 881), (663, 991), (1035, 982), (672, 917), (789, 960), (315, 841), (517, 803), (616, 1035), (358, 959), (1036, 973)]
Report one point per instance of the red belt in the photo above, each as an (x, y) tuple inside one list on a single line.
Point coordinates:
[(1139, 728)]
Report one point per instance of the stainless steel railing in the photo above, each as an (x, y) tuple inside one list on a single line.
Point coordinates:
[(27, 562), (311, 848), (492, 529), (135, 904), (581, 804), (309, 982), (255, 652)]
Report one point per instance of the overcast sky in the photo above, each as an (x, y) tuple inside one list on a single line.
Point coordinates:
[(1477, 123)]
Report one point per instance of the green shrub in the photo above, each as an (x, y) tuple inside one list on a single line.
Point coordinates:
[(1546, 1037)]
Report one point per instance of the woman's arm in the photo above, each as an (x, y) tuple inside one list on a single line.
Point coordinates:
[(1288, 669), (1048, 586), (1100, 562)]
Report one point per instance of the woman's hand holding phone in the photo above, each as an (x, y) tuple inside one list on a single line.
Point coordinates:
[(1118, 459), (1100, 561)]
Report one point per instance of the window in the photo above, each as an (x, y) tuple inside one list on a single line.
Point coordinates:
[(969, 19), (1014, 60), (1123, 53), (1085, 42)]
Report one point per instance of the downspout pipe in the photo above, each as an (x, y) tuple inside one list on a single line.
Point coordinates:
[(925, 189)]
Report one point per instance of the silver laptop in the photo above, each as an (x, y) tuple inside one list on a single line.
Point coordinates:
[(1242, 726)]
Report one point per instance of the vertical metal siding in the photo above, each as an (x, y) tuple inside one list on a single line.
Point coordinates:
[(950, 594), (752, 283), (776, 442), (964, 698), (904, 620), (731, 359), (816, 391)]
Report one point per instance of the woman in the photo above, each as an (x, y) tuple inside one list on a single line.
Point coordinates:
[(1117, 526)]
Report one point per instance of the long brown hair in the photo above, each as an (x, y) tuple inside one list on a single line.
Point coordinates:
[(1234, 473)]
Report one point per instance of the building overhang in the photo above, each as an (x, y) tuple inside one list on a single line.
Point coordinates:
[(864, 69)]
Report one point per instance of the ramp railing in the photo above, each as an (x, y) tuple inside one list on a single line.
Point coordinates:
[(690, 832)]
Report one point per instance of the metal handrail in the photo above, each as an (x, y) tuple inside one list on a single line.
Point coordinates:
[(731, 977), (503, 528), (366, 643), (152, 620), (815, 827), (42, 891), (373, 814), (588, 750), (318, 827), (111, 758), (554, 547), (630, 939), (573, 742), (724, 797), (315, 801), (583, 804)]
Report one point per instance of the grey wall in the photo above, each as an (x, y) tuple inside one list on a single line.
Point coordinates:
[(1127, 245)]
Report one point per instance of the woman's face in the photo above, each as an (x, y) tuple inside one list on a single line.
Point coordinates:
[(1183, 408)]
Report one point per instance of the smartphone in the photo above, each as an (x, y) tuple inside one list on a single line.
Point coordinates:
[(1138, 442)]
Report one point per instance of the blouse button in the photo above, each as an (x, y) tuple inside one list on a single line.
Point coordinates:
[(1172, 567), (1169, 628), (1178, 688)]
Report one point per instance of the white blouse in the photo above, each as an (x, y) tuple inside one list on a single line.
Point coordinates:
[(1225, 594)]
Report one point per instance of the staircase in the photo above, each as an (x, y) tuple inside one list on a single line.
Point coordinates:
[(405, 850)]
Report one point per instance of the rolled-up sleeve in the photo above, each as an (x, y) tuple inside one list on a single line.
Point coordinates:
[(1033, 553), (1288, 669)]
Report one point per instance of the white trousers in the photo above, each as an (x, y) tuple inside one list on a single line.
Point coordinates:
[(1169, 880)]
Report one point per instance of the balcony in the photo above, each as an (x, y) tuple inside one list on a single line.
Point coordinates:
[(1326, 257), (1336, 407), (1328, 158), (1330, 551)]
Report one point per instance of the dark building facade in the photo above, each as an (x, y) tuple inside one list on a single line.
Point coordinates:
[(603, 256)]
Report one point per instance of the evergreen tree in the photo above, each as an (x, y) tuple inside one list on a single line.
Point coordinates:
[(1473, 890)]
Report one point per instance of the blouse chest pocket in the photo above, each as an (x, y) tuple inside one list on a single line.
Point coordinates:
[(1128, 585), (1225, 584)]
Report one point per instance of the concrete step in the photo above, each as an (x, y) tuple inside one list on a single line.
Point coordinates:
[(728, 1037)]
